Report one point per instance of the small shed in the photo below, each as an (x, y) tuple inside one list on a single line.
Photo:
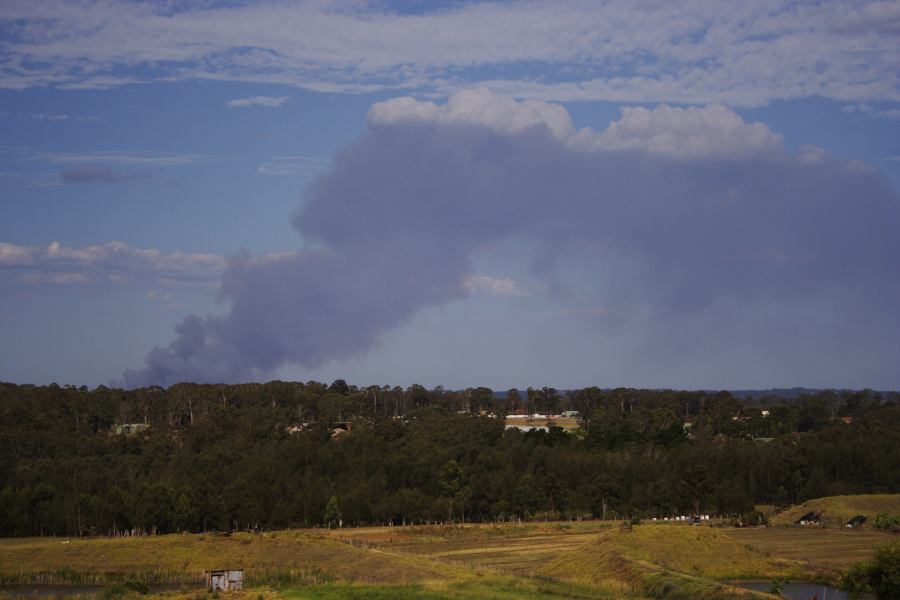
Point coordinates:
[(856, 522), (225, 580), (810, 518)]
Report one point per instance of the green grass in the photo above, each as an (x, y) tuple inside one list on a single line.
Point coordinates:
[(497, 588), (838, 510)]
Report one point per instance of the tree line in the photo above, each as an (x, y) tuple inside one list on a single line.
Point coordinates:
[(288, 454)]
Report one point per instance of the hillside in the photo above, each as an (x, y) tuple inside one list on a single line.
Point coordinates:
[(276, 557), (837, 510), (673, 561)]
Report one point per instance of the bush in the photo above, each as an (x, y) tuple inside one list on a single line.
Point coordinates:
[(113, 592), (855, 581), (777, 586), (881, 576), (754, 518), (887, 521), (137, 586)]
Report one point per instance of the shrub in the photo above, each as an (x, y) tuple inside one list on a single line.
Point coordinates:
[(887, 521), (137, 586), (881, 575)]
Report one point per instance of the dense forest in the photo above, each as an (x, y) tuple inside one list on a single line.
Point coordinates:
[(283, 454)]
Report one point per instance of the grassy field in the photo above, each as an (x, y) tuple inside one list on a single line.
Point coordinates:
[(815, 547), (285, 556), (840, 509), (508, 548), (532, 561), (495, 588), (675, 561)]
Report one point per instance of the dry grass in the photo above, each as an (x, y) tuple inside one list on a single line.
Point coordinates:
[(281, 556), (669, 560), (840, 509), (815, 547), (698, 551), (512, 549), (575, 560)]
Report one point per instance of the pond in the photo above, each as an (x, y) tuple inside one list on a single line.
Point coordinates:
[(796, 590)]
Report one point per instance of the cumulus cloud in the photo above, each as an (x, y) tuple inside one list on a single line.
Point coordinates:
[(747, 256), (692, 133), (265, 101), (477, 106), (109, 263), (696, 52)]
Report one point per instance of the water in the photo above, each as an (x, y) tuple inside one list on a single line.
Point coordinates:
[(797, 590), (55, 591)]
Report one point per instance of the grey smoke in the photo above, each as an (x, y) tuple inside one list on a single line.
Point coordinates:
[(771, 248)]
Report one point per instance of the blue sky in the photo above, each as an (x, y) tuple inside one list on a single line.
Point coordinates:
[(436, 193)]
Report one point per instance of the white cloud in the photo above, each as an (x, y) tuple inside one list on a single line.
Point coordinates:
[(869, 111), (266, 101), (492, 286), (147, 159), (692, 52), (693, 133), (111, 263), (55, 118), (477, 106), (710, 132), (812, 155), (294, 166), (118, 263)]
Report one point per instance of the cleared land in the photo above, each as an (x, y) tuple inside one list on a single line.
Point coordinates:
[(531, 561), (285, 556), (816, 547), (837, 510), (508, 548)]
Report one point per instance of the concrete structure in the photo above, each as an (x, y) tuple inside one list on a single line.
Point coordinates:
[(225, 580)]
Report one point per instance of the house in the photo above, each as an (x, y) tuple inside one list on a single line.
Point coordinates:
[(225, 580), (340, 428), (527, 428), (571, 414), (810, 518), (129, 428)]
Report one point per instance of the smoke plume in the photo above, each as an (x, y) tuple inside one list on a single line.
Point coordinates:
[(705, 221)]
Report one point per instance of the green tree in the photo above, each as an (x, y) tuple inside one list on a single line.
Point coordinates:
[(332, 513), (881, 576), (184, 513)]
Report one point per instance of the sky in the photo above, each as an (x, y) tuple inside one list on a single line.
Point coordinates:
[(702, 194)]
